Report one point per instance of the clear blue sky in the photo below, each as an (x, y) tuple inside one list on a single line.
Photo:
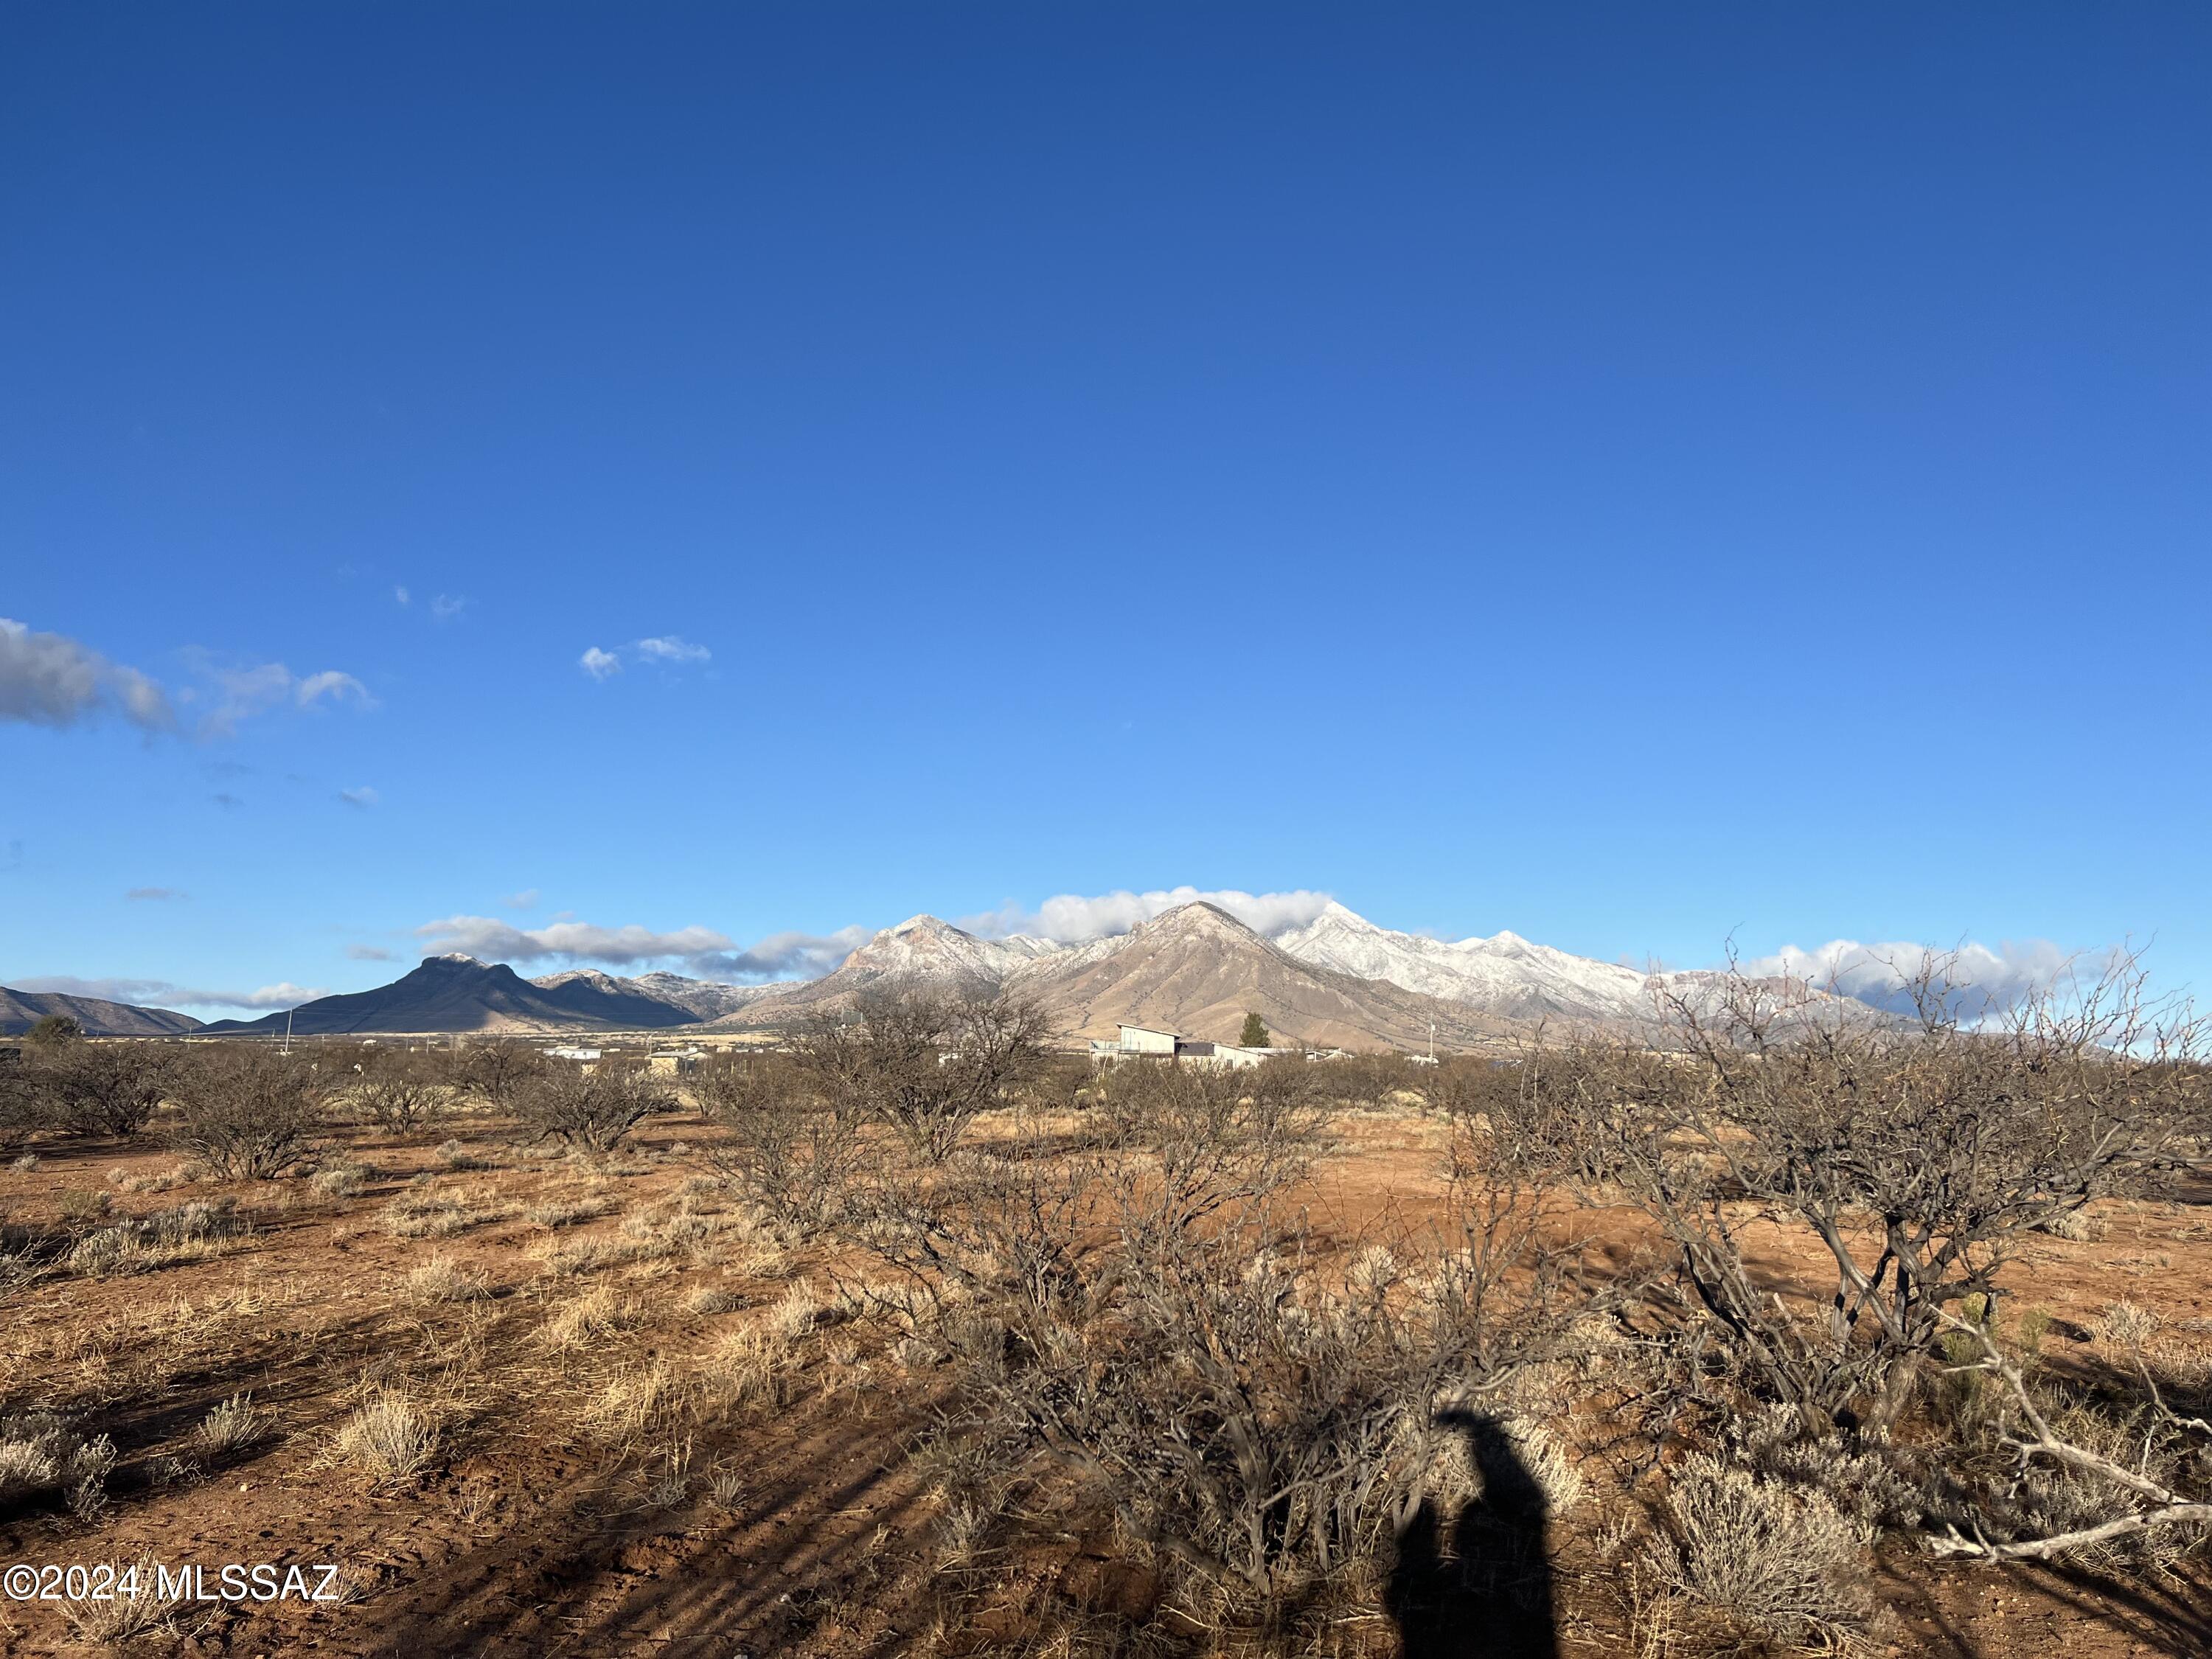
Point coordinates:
[(1630, 474)]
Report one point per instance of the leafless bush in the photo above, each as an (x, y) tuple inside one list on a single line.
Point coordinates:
[(590, 1111), (923, 1064), (399, 1102), (1915, 1156), (99, 1088), (247, 1111), (495, 1072), (788, 1149), (1148, 1317)]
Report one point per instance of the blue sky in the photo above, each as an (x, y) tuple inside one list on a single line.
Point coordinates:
[(1633, 475)]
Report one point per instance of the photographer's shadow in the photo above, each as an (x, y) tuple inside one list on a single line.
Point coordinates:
[(1477, 1584)]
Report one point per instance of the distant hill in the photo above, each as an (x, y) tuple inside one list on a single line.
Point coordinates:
[(1198, 970), (20, 1010), (702, 999), (922, 950), (459, 993)]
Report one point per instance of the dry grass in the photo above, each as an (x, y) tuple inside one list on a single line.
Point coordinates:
[(440, 1279), (591, 1319), (390, 1438), (232, 1425)]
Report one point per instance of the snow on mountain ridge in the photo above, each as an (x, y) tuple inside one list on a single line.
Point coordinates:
[(1504, 973)]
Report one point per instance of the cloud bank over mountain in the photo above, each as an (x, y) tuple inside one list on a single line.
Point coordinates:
[(1074, 919)]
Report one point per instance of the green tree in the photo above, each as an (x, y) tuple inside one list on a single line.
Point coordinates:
[(54, 1030), (1255, 1035)]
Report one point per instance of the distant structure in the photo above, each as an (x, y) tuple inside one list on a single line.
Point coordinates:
[(568, 1052), (676, 1062), (1146, 1042)]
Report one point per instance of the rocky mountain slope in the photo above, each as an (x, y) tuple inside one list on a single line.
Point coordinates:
[(95, 1016), (1198, 970)]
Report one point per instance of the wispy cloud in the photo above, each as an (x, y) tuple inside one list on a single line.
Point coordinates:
[(671, 649), (368, 954), (524, 900), (164, 993), (226, 801), (400, 594), (664, 651), (155, 894), (363, 796), (446, 607), (1073, 918), (50, 679), (240, 694)]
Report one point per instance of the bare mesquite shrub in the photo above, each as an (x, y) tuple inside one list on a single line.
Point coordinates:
[(495, 1073), (1146, 1330), (787, 1148), (589, 1111), (923, 1064), (400, 1093), (89, 1088), (246, 1111), (1915, 1156)]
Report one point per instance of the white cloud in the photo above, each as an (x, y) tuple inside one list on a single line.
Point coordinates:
[(599, 664), (1072, 918), (488, 937), (669, 649), (445, 609), (780, 956), (242, 693), (701, 950), (1882, 974), (400, 594), (162, 993), (50, 679), (524, 900), (156, 894), (363, 796)]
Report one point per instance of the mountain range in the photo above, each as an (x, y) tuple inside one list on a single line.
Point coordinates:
[(95, 1016), (1337, 980)]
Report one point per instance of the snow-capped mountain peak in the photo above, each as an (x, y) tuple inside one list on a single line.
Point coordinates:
[(1504, 973)]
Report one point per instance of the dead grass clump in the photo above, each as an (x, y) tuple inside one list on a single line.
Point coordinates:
[(1757, 1560), (751, 1367), (590, 1319), (709, 1299), (429, 1213), (136, 1608), (342, 1180), (559, 1212), (795, 1315), (636, 1401), (2128, 1325), (232, 1425), (441, 1280), (390, 1437), (41, 1453), (455, 1156), (187, 1232)]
